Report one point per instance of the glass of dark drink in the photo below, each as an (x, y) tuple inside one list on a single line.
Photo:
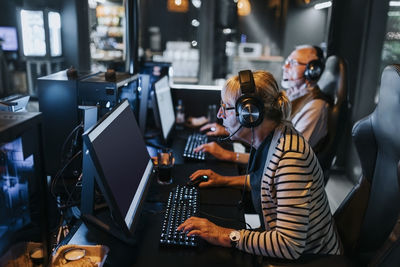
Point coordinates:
[(165, 162)]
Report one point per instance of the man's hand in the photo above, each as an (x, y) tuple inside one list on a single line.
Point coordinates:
[(216, 235), (214, 129), (217, 151)]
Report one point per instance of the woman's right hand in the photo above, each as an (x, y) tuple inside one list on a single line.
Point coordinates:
[(214, 179), (214, 129), (216, 150)]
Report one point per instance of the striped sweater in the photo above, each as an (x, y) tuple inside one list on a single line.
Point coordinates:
[(295, 207)]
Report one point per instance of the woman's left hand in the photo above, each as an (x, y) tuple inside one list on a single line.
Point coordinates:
[(207, 230)]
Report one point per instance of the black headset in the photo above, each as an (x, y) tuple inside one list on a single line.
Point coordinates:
[(249, 108), (315, 67)]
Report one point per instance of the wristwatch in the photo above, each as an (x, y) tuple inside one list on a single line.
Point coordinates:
[(234, 236)]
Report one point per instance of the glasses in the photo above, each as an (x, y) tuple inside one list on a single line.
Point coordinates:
[(293, 62), (224, 108)]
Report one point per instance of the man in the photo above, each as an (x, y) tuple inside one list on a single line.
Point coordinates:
[(310, 106)]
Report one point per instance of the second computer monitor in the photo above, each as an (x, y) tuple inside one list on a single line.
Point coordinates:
[(122, 163), (165, 107)]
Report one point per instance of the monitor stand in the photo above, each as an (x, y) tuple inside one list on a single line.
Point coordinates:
[(104, 222)]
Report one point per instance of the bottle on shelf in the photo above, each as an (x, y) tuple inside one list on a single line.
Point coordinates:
[(180, 114)]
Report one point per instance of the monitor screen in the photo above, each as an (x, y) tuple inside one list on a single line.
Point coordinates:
[(10, 40), (23, 198), (15, 172), (122, 161), (165, 105)]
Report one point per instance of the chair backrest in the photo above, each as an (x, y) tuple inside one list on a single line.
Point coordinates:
[(374, 202), (333, 83), (389, 253)]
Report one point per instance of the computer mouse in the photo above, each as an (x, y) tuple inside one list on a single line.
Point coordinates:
[(200, 179), (212, 129)]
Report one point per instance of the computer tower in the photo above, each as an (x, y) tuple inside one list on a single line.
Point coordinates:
[(107, 93), (58, 101)]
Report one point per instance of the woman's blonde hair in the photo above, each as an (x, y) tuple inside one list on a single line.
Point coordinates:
[(276, 104)]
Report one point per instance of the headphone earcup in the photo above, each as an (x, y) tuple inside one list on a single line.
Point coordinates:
[(314, 70), (250, 111)]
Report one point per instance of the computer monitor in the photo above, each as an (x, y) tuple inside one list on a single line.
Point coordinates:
[(164, 107), (23, 201), (14, 103), (155, 69), (122, 163), (10, 39)]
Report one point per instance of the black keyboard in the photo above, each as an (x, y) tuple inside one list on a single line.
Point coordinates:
[(193, 141), (183, 202)]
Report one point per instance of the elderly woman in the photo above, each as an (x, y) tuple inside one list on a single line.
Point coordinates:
[(286, 185)]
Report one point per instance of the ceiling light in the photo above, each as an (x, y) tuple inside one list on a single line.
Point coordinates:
[(394, 3), (323, 5), (178, 5), (195, 23), (243, 7), (196, 3), (227, 31)]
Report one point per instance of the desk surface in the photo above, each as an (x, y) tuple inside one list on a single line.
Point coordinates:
[(146, 250)]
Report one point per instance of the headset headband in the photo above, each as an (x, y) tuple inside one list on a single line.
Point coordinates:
[(246, 80)]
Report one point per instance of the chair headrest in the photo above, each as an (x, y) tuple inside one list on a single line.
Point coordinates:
[(385, 118), (333, 80), (330, 77)]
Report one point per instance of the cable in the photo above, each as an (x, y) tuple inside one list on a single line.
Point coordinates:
[(59, 173), (240, 203), (68, 137), (78, 182), (226, 219)]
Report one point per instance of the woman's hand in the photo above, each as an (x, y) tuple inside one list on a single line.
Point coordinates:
[(217, 151), (214, 179), (214, 129), (216, 235)]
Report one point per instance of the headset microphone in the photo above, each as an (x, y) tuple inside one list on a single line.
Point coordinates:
[(298, 78), (226, 138)]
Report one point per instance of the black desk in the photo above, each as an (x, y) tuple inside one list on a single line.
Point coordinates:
[(146, 250)]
